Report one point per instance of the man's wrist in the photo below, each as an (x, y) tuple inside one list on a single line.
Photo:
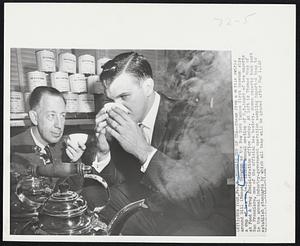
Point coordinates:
[(143, 156), (148, 160), (100, 164), (102, 155)]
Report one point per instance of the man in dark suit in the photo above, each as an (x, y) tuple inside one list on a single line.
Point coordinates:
[(39, 145), (139, 154), (42, 143)]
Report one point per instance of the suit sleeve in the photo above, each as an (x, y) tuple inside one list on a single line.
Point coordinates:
[(187, 182), (109, 173)]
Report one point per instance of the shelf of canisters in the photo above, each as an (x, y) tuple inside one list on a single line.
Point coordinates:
[(22, 119)]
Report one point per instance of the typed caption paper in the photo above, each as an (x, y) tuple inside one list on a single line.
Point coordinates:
[(262, 41)]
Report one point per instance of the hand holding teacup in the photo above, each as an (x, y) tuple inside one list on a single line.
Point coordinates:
[(101, 124), (102, 116), (76, 145)]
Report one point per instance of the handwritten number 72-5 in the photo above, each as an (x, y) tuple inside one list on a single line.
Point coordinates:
[(230, 21)]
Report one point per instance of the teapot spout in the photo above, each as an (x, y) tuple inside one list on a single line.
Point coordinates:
[(116, 225)]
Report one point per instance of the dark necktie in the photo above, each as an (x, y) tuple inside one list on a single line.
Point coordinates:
[(48, 156)]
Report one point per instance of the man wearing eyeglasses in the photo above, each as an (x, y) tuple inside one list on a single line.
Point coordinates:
[(138, 154)]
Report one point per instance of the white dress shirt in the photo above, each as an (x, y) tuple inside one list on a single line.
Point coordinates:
[(147, 127), (37, 142)]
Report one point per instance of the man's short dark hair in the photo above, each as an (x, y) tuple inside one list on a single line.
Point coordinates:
[(38, 92), (129, 62)]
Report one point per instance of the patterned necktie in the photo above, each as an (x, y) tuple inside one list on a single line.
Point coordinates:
[(48, 156)]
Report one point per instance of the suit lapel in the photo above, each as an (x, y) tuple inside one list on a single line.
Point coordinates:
[(160, 123), (27, 139)]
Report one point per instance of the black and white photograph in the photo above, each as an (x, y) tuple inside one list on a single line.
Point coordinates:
[(121, 142), (149, 123)]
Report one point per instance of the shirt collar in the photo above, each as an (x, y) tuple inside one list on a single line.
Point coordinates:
[(149, 120), (38, 143)]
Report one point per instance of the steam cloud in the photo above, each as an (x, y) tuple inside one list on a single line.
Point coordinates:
[(203, 78)]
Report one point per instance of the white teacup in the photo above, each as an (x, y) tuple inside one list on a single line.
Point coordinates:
[(77, 138), (111, 105)]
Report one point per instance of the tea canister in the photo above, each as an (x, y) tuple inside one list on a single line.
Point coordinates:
[(35, 79), (67, 62), (86, 64), (60, 81), (46, 61), (17, 102), (78, 83), (71, 101)]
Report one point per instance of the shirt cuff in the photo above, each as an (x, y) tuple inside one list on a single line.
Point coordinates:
[(149, 157), (100, 165)]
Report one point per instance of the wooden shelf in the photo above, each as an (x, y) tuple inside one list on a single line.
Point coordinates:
[(22, 119)]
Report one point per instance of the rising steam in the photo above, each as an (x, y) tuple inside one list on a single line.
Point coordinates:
[(203, 79)]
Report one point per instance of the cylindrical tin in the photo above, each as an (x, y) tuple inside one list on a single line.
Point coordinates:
[(26, 100), (77, 83), (17, 102), (94, 85), (86, 103), (100, 63), (35, 79), (45, 60), (86, 64), (72, 102), (60, 81), (67, 62), (98, 88)]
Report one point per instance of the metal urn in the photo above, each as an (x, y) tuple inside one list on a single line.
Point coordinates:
[(30, 193), (65, 212)]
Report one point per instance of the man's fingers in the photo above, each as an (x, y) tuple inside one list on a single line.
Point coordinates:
[(102, 139), (114, 133), (101, 117), (101, 111), (75, 147), (116, 116), (120, 112), (113, 124), (71, 145), (102, 143), (82, 146), (100, 126), (69, 153)]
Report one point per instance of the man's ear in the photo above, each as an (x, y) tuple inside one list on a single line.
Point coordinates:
[(148, 86), (33, 117)]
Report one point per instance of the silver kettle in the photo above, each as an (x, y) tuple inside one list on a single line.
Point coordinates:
[(65, 212)]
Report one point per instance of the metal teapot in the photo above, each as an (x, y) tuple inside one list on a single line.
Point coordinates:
[(65, 212), (29, 194), (33, 191)]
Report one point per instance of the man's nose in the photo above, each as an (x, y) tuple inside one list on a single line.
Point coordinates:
[(118, 100), (58, 122)]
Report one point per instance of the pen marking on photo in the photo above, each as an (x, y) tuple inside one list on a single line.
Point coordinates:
[(228, 21), (246, 203), (241, 174)]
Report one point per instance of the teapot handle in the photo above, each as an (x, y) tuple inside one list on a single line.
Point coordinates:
[(32, 227), (104, 184), (26, 200)]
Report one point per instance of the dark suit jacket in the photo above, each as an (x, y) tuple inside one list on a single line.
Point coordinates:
[(123, 166), (23, 156), (174, 187)]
